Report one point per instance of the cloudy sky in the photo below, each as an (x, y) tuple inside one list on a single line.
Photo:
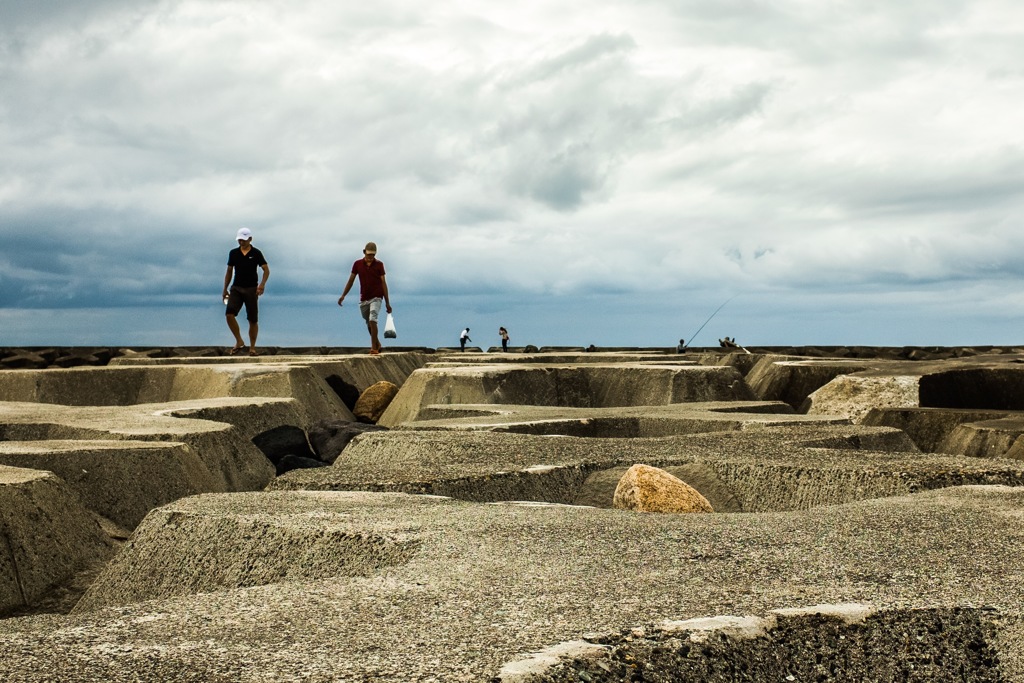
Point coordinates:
[(839, 171)]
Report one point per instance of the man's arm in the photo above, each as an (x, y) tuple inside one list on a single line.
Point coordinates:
[(348, 286), (227, 281), (263, 282), (387, 299)]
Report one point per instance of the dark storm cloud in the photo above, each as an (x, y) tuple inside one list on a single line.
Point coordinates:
[(549, 150)]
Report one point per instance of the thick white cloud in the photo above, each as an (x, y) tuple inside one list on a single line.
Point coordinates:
[(633, 150)]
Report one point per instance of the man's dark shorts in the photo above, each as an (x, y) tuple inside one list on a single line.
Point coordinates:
[(243, 295)]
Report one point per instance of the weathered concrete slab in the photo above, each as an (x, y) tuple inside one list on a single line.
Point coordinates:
[(767, 469), (991, 388), (628, 422), (932, 429), (996, 438), (488, 584), (559, 358), (847, 642), (125, 386), (120, 480), (854, 396), (577, 386), (219, 431), (792, 381), (46, 537), (358, 370)]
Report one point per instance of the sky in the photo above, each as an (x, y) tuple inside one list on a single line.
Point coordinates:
[(611, 173)]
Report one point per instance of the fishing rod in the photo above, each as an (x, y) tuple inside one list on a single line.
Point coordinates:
[(694, 335)]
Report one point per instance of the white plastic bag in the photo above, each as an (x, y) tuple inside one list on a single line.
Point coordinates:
[(389, 328)]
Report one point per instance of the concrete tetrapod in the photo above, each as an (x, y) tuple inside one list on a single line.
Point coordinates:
[(46, 537), (484, 584), (580, 386)]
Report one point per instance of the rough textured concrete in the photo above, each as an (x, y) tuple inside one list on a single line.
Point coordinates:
[(46, 537), (631, 422), (120, 480), (987, 438), (126, 386), (328, 585), (359, 371), (848, 642), (762, 470), (218, 431), (930, 428), (781, 379), (854, 396), (580, 386), (488, 584)]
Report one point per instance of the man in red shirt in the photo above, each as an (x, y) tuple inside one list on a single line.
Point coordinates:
[(372, 288)]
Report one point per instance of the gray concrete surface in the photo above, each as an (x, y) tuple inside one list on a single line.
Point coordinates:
[(766, 469), (46, 537), (574, 386), (976, 433), (120, 480), (488, 584), (218, 431), (321, 579)]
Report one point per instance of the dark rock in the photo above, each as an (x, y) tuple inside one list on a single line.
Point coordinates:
[(296, 462), (49, 355), (24, 360), (281, 441), (530, 348), (76, 360), (329, 437)]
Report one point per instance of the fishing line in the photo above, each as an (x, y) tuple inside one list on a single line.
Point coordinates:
[(694, 335)]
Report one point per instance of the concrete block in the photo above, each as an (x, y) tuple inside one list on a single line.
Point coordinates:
[(46, 537)]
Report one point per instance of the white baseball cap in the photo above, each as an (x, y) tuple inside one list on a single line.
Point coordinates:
[(244, 234)]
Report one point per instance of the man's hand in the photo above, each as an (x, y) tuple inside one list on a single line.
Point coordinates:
[(340, 299), (259, 290), (389, 308)]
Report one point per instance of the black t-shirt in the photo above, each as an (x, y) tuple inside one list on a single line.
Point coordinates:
[(245, 266)]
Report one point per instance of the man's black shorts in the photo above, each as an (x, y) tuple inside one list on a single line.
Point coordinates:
[(243, 295)]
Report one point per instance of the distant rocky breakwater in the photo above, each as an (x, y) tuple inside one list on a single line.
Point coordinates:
[(40, 357), (459, 516)]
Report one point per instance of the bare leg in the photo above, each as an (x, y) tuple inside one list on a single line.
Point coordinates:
[(374, 341), (233, 326), (254, 330)]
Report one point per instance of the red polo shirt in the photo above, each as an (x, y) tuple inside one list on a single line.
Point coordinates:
[(370, 285)]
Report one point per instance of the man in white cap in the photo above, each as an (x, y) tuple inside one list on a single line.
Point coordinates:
[(373, 287), (242, 263)]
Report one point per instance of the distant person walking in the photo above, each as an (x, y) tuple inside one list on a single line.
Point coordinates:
[(681, 348), (373, 287), (504, 338), (463, 338), (245, 291)]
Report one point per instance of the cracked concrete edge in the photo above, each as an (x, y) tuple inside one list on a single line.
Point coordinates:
[(532, 666), (535, 664)]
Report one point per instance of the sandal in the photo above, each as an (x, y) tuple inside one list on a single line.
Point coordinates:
[(234, 351), (252, 352)]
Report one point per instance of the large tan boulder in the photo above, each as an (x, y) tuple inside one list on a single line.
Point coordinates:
[(649, 489), (374, 401)]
